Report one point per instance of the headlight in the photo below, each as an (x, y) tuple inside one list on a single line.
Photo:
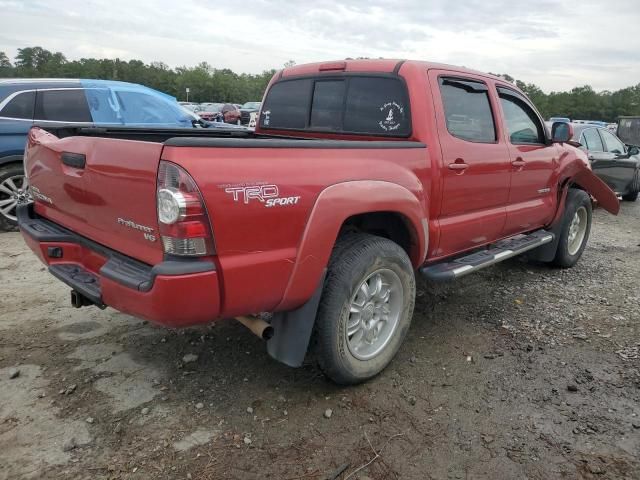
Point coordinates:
[(172, 206)]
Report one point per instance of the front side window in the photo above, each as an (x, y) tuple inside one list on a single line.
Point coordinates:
[(103, 106), (467, 110), (592, 140), (522, 123), (62, 106), (20, 106), (140, 108), (350, 104), (612, 144)]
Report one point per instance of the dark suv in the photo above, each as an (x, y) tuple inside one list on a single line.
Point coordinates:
[(90, 102)]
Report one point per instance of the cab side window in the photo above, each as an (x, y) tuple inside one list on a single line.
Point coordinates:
[(522, 123), (62, 106), (592, 140), (467, 110), (20, 106), (612, 143)]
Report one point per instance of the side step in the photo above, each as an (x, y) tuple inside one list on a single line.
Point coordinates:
[(497, 252)]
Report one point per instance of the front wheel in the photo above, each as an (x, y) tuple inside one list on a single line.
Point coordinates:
[(576, 227), (366, 308)]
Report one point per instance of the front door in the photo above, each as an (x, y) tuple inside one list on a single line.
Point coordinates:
[(614, 165), (533, 192), (475, 163)]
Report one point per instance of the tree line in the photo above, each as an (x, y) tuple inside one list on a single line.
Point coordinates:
[(209, 84), (205, 83)]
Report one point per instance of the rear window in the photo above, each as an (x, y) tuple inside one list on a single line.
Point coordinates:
[(20, 106), (467, 110), (361, 105), (62, 106)]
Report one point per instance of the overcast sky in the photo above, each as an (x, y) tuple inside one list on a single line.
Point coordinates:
[(554, 44)]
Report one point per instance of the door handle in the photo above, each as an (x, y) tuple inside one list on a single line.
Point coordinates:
[(458, 166), (518, 163), (75, 160)]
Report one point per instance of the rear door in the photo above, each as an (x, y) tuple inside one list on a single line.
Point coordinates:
[(533, 193), (619, 169), (475, 163)]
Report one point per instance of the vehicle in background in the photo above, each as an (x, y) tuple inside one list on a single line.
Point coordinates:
[(230, 114), (211, 112), (246, 110), (360, 175), (629, 130), (189, 105), (85, 102), (616, 164), (612, 127), (560, 119)]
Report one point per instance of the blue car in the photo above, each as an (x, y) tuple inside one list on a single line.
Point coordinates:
[(90, 102)]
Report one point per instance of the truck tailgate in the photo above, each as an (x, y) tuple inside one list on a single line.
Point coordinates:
[(101, 188)]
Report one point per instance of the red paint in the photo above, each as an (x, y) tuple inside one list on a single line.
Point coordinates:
[(271, 259)]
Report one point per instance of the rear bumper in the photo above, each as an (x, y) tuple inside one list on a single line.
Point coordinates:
[(174, 293)]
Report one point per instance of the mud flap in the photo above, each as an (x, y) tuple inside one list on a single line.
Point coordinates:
[(292, 330)]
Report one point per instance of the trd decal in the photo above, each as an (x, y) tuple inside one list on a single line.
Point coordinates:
[(269, 195)]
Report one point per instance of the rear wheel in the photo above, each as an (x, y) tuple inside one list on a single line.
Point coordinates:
[(576, 227), (13, 189), (366, 308)]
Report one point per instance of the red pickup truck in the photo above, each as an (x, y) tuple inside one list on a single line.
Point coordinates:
[(311, 229)]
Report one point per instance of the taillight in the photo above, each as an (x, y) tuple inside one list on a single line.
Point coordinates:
[(182, 217)]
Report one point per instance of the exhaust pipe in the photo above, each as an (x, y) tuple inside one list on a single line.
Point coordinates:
[(78, 300), (257, 326)]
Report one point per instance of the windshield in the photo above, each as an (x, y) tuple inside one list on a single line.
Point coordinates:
[(212, 107), (251, 105)]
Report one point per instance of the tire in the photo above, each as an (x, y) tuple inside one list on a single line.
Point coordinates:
[(11, 182), (574, 237), (632, 196), (361, 258)]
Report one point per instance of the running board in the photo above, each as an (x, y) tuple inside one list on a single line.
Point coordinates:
[(497, 252)]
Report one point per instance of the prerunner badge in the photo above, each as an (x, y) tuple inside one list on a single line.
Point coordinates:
[(393, 116)]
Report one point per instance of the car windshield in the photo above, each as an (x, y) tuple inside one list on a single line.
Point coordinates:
[(212, 107), (251, 105)]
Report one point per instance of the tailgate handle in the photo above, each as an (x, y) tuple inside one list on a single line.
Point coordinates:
[(75, 160)]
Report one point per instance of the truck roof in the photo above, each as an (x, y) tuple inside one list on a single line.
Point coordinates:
[(380, 65)]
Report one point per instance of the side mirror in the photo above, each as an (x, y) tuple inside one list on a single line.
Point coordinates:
[(561, 132), (633, 150)]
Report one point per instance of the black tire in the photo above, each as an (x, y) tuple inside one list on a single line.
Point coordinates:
[(632, 196), (6, 172), (355, 257), (567, 257)]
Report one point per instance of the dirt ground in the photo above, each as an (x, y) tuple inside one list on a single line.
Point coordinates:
[(519, 371)]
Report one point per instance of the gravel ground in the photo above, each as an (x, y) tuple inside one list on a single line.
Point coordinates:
[(519, 371)]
